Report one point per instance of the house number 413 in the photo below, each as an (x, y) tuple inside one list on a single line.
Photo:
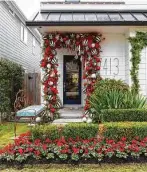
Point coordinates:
[(110, 66)]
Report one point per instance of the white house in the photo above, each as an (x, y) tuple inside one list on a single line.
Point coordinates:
[(115, 20)]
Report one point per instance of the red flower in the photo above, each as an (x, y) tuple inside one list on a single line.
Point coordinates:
[(86, 151), (44, 146), (64, 151), (37, 152), (123, 138), (20, 150), (47, 141), (75, 150)]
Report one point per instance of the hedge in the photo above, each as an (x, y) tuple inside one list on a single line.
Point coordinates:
[(82, 130), (45, 131), (130, 130), (73, 130), (117, 115)]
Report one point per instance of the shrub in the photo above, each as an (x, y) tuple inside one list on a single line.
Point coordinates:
[(73, 130), (130, 130), (114, 97), (116, 115), (107, 91), (11, 79), (107, 85), (45, 131), (81, 130)]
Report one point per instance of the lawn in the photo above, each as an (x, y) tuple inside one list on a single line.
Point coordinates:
[(7, 132), (83, 168)]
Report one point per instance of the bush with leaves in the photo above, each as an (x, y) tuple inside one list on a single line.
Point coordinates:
[(114, 95), (11, 79)]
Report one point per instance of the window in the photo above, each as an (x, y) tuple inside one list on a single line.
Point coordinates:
[(34, 45), (24, 34)]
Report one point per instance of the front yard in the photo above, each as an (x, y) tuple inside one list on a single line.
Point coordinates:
[(82, 168), (7, 132)]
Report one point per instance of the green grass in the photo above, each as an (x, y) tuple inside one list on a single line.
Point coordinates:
[(82, 168), (7, 132)]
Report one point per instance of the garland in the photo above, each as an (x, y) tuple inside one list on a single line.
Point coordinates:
[(85, 45), (138, 43)]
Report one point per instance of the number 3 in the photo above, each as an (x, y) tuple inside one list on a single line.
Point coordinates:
[(117, 66)]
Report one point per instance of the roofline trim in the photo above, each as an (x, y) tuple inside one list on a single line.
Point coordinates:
[(95, 11), (80, 23)]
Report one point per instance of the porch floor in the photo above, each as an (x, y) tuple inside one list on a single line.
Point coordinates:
[(69, 115)]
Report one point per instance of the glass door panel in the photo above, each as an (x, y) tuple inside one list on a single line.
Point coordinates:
[(72, 80)]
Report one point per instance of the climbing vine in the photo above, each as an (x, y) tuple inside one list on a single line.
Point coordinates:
[(138, 43)]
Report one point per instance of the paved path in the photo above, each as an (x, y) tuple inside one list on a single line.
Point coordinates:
[(69, 115)]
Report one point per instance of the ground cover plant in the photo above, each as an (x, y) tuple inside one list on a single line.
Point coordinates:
[(74, 150)]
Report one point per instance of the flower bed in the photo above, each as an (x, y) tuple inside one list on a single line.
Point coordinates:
[(73, 150)]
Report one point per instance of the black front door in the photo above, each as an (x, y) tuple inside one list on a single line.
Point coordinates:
[(72, 80)]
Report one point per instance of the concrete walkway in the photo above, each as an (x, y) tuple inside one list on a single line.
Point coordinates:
[(69, 115)]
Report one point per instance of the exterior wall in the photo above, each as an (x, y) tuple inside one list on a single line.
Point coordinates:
[(113, 54), (11, 46), (143, 72)]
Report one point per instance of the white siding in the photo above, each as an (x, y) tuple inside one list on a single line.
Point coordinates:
[(113, 56), (11, 46), (143, 72)]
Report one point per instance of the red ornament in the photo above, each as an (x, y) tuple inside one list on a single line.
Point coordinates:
[(53, 110), (98, 67)]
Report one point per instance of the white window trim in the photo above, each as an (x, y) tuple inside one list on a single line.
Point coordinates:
[(24, 34), (33, 45)]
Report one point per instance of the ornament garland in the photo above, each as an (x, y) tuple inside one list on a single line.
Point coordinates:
[(87, 46)]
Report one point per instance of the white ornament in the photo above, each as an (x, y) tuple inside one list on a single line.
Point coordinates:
[(51, 83), (38, 119), (89, 120), (49, 66), (93, 45), (93, 76), (84, 119)]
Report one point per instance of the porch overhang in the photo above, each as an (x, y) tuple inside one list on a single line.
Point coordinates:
[(89, 18)]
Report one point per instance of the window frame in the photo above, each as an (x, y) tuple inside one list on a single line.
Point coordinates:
[(33, 45), (24, 34)]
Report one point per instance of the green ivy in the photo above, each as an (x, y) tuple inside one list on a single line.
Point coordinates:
[(138, 43)]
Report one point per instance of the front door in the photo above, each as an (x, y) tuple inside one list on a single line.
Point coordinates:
[(72, 80)]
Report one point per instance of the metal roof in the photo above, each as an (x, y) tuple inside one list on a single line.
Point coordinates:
[(90, 18)]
